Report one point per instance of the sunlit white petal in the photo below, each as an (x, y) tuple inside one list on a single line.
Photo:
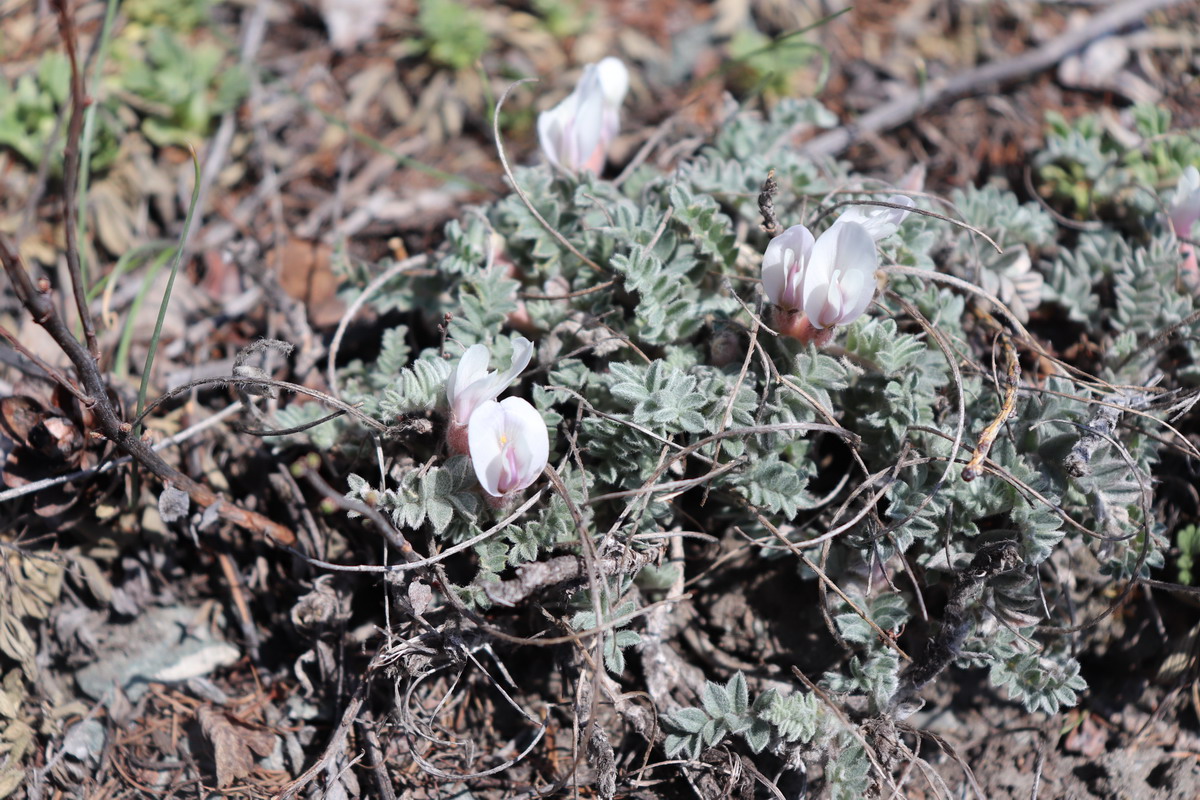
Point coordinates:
[(509, 445), (783, 266), (840, 280), (471, 384), (1185, 207), (614, 81), (879, 221)]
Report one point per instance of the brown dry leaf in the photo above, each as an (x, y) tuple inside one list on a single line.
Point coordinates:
[(16, 643), (365, 88), (37, 582), (115, 220), (187, 303), (234, 744), (306, 273), (12, 694), (10, 779), (1087, 738), (19, 415), (16, 740)]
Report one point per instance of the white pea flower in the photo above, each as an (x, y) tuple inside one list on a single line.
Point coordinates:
[(880, 221), (472, 383), (509, 445), (1185, 212), (576, 133), (1185, 207), (831, 279)]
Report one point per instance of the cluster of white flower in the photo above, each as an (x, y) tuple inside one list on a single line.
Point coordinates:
[(818, 283), (507, 440)]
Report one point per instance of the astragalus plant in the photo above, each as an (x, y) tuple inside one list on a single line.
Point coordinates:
[(944, 485)]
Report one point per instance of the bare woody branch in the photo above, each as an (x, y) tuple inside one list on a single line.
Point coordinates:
[(36, 300), (79, 102)]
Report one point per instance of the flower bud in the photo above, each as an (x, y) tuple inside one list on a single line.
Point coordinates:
[(509, 445), (576, 133)]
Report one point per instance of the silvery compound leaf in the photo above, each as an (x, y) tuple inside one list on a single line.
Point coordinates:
[(10, 779), (18, 736), (10, 702), (173, 504), (37, 581), (939, 561), (1012, 279)]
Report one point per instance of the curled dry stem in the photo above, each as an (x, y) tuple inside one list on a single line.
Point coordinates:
[(910, 209), (391, 272), (1008, 407)]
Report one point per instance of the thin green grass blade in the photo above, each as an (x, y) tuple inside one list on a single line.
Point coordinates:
[(166, 301), (129, 261), (121, 367), (489, 98)]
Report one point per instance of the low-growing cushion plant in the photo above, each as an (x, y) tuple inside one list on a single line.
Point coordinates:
[(934, 459)]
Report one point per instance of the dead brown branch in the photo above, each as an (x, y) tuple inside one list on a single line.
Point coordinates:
[(66, 27), (37, 301), (915, 101)]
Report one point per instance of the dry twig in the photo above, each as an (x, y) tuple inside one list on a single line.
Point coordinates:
[(915, 101)]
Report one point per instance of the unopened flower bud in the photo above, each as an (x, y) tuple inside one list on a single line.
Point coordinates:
[(575, 135)]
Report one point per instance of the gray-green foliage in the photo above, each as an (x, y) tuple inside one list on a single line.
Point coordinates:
[(727, 710), (183, 85), (643, 365), (29, 111), (615, 641), (774, 721), (435, 495), (1091, 170)]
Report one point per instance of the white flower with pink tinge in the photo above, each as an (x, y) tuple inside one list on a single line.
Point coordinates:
[(820, 283), (1185, 212), (576, 133), (509, 445), (880, 221), (471, 384)]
